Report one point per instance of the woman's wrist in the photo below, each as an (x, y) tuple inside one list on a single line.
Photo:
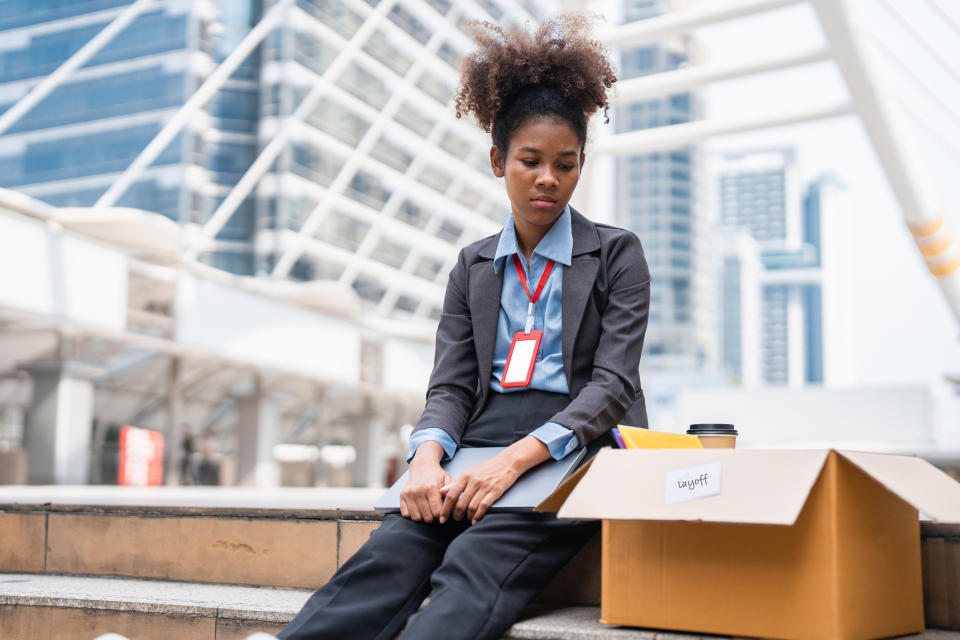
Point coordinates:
[(526, 454), (428, 453)]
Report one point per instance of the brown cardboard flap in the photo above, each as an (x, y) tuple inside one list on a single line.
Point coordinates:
[(757, 487), (914, 480), (551, 503)]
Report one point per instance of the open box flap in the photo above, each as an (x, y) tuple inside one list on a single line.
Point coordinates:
[(551, 504), (914, 480), (757, 487)]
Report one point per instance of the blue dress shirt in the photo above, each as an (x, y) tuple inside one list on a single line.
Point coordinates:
[(548, 374)]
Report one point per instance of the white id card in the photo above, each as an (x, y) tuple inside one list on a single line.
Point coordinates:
[(521, 359)]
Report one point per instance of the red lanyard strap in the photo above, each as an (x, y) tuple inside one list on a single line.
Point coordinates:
[(523, 278)]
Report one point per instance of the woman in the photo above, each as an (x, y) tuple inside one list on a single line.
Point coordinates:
[(580, 289)]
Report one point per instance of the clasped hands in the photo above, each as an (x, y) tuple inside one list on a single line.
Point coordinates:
[(431, 494)]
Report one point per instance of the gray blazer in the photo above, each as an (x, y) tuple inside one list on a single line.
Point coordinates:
[(605, 300)]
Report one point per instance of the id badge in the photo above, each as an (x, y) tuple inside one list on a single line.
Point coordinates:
[(521, 359)]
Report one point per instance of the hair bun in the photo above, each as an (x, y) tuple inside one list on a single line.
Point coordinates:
[(559, 53)]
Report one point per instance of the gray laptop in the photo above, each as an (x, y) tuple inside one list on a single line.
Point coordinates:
[(527, 492)]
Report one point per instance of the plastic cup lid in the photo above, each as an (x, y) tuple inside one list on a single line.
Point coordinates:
[(712, 430)]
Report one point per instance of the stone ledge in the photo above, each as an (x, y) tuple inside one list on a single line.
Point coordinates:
[(183, 599), (271, 606), (273, 502), (259, 513), (581, 623)]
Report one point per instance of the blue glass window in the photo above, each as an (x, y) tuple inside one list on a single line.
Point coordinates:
[(134, 92), (150, 34), (21, 13), (85, 155)]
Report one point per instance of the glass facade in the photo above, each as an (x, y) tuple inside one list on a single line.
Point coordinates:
[(756, 195), (71, 145), (376, 186), (774, 344), (731, 319), (657, 198)]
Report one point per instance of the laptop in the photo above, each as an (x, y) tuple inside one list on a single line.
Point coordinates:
[(527, 492)]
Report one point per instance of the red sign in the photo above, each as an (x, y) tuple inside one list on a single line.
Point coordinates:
[(141, 457)]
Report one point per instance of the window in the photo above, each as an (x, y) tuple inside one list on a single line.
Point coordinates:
[(680, 101)]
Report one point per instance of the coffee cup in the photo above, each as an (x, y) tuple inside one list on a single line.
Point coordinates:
[(715, 436)]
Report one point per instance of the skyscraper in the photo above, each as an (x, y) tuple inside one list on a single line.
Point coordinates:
[(374, 184), (657, 197), (760, 195), (69, 148)]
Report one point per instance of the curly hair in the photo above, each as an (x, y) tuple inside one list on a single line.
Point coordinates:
[(516, 75)]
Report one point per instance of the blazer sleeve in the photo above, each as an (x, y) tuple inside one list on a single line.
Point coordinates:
[(615, 379), (452, 389)]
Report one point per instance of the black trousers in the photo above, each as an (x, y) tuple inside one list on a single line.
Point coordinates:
[(479, 577)]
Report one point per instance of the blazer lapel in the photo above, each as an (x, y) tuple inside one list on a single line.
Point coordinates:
[(484, 300), (578, 281)]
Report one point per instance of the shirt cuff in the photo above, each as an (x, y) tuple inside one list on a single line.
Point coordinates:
[(559, 439), (432, 434)]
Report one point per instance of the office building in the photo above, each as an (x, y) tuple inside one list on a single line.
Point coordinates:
[(740, 269), (373, 185), (760, 195), (658, 197)]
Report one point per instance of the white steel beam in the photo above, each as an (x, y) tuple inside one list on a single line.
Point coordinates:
[(946, 60), (516, 11), (691, 133), (442, 67), (77, 60), (950, 19), (653, 29), (407, 233), (689, 78), (269, 153), (408, 138), (106, 70), (421, 192), (413, 169), (430, 106), (390, 296), (90, 127), (417, 286), (353, 163), (200, 97), (423, 310), (912, 185), (416, 251), (436, 21), (933, 94)]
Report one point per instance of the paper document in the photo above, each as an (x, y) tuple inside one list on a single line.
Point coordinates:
[(636, 438)]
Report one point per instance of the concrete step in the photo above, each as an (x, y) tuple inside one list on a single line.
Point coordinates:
[(263, 547), (287, 538), (80, 608), (295, 544)]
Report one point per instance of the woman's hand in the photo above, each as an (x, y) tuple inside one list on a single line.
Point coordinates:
[(476, 489), (420, 499)]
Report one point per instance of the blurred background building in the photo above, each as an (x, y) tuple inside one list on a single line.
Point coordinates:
[(232, 223), (759, 193), (660, 198)]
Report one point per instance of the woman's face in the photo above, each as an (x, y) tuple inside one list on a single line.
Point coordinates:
[(540, 171)]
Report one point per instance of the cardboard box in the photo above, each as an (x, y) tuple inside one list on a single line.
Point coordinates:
[(792, 544), (940, 551)]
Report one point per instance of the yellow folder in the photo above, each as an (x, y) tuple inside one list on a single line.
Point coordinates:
[(636, 438)]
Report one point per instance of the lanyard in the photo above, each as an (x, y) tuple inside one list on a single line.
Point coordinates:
[(536, 294)]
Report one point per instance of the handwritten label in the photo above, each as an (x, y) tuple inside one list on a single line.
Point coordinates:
[(692, 483)]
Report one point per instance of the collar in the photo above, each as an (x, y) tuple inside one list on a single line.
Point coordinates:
[(586, 239), (556, 244)]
